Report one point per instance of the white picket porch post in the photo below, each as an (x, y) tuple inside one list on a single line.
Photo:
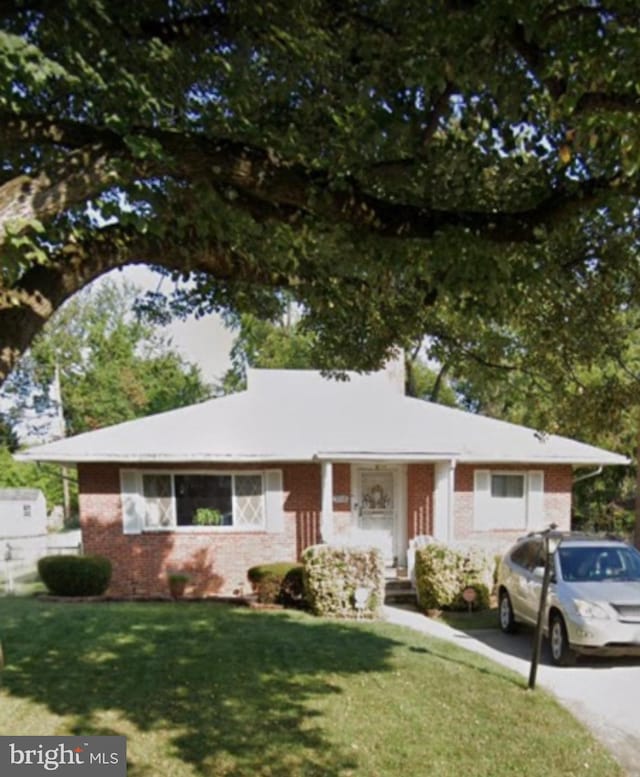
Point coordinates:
[(326, 517)]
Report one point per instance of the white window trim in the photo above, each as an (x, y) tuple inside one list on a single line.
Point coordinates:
[(174, 528), (533, 513)]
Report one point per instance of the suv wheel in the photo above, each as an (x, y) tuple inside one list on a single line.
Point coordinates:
[(507, 621), (561, 653)]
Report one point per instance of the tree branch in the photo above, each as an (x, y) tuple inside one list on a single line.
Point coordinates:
[(592, 102), (26, 307), (77, 177), (265, 178)]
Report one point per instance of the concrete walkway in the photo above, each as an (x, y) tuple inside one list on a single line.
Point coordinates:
[(603, 694)]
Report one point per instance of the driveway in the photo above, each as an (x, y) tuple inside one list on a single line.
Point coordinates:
[(603, 693)]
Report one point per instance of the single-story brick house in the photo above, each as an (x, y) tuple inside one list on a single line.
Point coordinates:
[(298, 459)]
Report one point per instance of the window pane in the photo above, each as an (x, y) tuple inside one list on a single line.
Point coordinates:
[(203, 500), (157, 493), (529, 555), (249, 500), (507, 486)]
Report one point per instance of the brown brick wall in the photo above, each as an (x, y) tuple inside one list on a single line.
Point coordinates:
[(558, 485), (342, 487), (558, 482), (420, 485), (303, 489), (216, 561)]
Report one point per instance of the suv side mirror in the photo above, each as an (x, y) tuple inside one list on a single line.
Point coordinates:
[(538, 572)]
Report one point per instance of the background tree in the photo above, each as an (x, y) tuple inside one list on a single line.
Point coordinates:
[(112, 365), (17, 474), (370, 158), (429, 383), (284, 344), (555, 363), (8, 435), (276, 344)]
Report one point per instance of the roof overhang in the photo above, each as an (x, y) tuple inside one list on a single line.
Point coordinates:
[(397, 456), (400, 457)]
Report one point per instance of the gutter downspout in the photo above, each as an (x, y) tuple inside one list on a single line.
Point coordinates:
[(588, 475)]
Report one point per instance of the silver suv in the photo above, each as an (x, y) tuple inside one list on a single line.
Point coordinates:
[(593, 604)]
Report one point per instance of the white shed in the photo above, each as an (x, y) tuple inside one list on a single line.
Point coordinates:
[(23, 531), (23, 513)]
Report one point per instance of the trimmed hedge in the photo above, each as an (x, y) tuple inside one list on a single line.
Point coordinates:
[(332, 575), (280, 582), (75, 575), (443, 572)]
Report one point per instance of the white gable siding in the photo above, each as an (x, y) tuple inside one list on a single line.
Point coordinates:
[(133, 509), (535, 500), (274, 500)]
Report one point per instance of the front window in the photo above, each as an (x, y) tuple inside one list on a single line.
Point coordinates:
[(190, 499), (157, 490), (204, 500), (593, 563), (507, 486), (507, 500)]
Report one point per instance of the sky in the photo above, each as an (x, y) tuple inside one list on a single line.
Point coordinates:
[(205, 341)]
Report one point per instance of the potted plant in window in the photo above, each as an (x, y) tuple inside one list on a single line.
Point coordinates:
[(177, 583), (208, 516)]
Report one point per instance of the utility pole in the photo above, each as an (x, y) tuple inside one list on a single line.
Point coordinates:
[(62, 432)]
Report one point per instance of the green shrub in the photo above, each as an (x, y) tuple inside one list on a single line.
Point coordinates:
[(278, 583), (75, 575), (332, 575), (292, 593), (443, 572)]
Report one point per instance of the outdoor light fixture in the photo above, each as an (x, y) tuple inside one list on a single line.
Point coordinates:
[(551, 541)]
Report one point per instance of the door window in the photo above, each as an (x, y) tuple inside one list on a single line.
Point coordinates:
[(377, 492)]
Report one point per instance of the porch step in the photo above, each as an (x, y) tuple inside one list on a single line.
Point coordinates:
[(398, 590)]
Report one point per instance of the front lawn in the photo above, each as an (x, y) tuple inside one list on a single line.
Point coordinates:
[(471, 621), (204, 689)]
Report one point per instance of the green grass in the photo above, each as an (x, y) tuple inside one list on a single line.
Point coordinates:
[(204, 689), (27, 584), (469, 621)]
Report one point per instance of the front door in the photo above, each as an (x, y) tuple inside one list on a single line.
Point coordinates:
[(377, 509)]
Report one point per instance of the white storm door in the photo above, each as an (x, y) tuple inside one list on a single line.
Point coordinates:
[(377, 511)]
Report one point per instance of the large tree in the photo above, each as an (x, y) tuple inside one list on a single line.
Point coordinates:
[(372, 158)]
